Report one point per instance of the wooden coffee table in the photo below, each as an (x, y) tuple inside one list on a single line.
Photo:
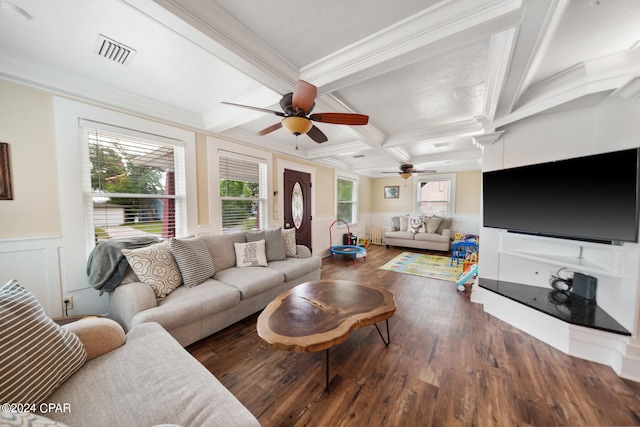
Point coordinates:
[(316, 316)]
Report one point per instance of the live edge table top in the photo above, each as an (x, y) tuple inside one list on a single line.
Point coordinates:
[(316, 316)]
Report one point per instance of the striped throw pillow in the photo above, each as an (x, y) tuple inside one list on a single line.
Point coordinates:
[(194, 260), (36, 354)]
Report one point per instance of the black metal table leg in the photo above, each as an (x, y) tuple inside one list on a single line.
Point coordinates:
[(388, 340)]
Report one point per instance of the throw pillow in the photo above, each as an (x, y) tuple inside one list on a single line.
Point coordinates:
[(415, 224), (193, 259), (155, 266), (273, 242), (289, 238), (27, 419), (445, 224), (432, 224), (404, 223), (37, 354), (250, 254), (395, 223)]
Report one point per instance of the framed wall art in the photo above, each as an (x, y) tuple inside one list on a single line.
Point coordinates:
[(391, 191), (5, 173)]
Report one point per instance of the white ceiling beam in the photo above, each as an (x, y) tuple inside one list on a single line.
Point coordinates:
[(598, 75), (447, 130), (436, 29), (539, 22), (210, 26), (500, 53), (337, 150)]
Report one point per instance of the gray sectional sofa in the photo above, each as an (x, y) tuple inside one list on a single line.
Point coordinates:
[(233, 293)]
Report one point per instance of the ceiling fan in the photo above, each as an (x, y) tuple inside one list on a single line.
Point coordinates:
[(406, 170), (296, 112)]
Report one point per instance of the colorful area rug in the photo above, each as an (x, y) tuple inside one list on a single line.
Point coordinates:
[(430, 266)]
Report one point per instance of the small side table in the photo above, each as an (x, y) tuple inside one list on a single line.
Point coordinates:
[(460, 248)]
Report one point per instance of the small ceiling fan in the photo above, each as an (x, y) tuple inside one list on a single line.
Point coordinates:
[(296, 112), (406, 170)]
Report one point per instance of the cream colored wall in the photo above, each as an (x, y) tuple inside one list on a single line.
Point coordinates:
[(468, 186), (27, 124), (324, 203), (403, 204), (364, 194)]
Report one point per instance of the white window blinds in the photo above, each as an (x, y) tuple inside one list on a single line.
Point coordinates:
[(133, 185), (243, 192)]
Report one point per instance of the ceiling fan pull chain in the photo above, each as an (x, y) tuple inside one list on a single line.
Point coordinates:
[(296, 142)]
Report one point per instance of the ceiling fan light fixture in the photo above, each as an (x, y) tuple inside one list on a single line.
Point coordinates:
[(297, 125), (405, 175)]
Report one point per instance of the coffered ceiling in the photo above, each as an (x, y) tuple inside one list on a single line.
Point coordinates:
[(433, 75)]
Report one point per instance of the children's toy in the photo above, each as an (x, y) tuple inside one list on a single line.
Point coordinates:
[(466, 275), (350, 249)]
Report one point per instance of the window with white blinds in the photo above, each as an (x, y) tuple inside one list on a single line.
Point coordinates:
[(243, 192), (133, 185), (347, 203)]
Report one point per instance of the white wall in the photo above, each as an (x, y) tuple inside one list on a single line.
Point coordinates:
[(611, 125)]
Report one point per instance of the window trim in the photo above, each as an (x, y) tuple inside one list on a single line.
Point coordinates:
[(356, 180), (69, 145), (451, 177)]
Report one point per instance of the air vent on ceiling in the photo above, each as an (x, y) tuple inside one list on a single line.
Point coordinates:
[(358, 156), (113, 50)]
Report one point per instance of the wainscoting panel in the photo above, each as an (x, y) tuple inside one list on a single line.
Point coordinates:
[(35, 264)]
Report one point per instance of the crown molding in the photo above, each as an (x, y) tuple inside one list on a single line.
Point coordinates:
[(337, 150), (500, 53), (44, 76), (487, 138), (630, 90)]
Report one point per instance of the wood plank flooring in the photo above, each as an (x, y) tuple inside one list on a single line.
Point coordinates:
[(449, 364)]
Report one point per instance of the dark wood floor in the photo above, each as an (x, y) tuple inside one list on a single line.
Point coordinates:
[(448, 364)]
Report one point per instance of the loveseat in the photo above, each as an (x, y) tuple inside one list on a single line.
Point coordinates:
[(228, 289), (416, 231), (88, 374)]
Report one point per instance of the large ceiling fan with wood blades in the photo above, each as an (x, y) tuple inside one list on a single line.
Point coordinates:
[(296, 113), (407, 169)]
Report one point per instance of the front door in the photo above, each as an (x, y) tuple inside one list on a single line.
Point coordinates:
[(297, 205)]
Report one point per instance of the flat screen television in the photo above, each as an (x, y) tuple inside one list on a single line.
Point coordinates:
[(592, 198)]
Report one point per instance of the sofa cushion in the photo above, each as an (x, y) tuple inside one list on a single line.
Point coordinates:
[(289, 239), (37, 355), (221, 249), (431, 237), (148, 381), (251, 281), (155, 266), (404, 223), (431, 225), (445, 224), (293, 268), (273, 241), (406, 235), (250, 254), (187, 305), (395, 223), (193, 259)]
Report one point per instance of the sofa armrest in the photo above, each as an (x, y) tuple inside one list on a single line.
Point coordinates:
[(128, 300), (303, 251), (99, 335), (446, 232)]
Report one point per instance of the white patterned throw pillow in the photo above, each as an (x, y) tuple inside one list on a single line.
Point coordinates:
[(415, 224), (250, 254), (36, 354), (155, 266)]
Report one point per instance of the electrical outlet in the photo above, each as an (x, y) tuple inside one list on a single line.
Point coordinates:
[(68, 306)]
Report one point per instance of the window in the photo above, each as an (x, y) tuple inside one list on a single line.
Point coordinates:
[(434, 197), (347, 200), (243, 192), (133, 186)]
